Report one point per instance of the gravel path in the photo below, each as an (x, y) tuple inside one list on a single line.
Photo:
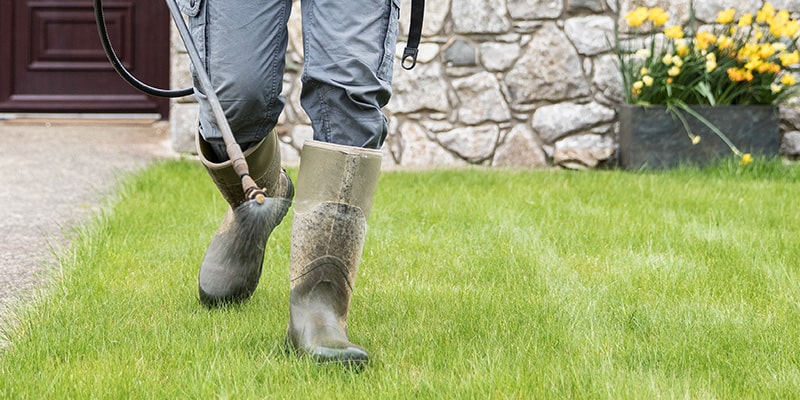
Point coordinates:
[(54, 174)]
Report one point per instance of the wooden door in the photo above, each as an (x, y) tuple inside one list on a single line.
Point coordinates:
[(51, 59)]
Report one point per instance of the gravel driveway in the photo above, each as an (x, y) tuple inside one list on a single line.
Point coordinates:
[(54, 174)]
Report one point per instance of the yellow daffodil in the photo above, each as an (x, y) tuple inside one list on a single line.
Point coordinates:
[(739, 75), (705, 39), (658, 16), (674, 32), (788, 59), (683, 50), (637, 17), (755, 50), (765, 13), (766, 50), (711, 62), (753, 64), (696, 139), (746, 159), (768, 68), (791, 28), (726, 17), (745, 20), (725, 42)]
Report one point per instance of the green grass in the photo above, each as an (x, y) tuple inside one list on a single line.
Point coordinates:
[(473, 284)]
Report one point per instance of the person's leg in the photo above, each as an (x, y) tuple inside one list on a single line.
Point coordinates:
[(349, 55), (242, 44), (349, 50)]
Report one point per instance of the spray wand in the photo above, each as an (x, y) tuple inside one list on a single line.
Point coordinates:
[(249, 186)]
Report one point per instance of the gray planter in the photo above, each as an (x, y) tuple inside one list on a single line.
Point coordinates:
[(653, 138)]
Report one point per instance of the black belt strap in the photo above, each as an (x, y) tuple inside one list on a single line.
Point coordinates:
[(414, 33)]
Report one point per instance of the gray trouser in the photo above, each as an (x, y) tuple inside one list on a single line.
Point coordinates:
[(349, 54)]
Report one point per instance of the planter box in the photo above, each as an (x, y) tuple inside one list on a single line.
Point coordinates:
[(653, 138)]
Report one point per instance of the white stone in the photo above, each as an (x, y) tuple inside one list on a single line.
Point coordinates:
[(181, 76), (418, 151), (421, 88), (790, 144), (499, 56), (790, 115), (520, 149), (293, 101), (583, 151), (480, 99), (290, 156), (593, 5), (789, 5), (295, 30), (535, 9), (707, 10), (474, 144), (591, 35), (607, 78), (300, 134), (558, 120), (549, 69), (183, 120), (479, 16)]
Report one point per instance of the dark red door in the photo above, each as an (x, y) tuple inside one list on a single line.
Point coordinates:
[(51, 59)]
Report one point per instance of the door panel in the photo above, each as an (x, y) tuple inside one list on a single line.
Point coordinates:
[(54, 61)]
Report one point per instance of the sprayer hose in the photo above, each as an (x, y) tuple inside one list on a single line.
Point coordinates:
[(100, 20)]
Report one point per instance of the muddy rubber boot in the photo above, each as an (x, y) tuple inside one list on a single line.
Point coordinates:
[(334, 196), (231, 267)]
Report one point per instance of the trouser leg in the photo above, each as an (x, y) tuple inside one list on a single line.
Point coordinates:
[(349, 56), (243, 45)]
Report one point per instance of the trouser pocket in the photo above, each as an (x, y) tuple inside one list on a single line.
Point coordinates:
[(190, 7), (390, 41)]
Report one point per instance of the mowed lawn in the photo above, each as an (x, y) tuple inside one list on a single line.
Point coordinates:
[(473, 284)]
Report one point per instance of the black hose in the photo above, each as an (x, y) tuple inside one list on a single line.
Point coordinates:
[(117, 64)]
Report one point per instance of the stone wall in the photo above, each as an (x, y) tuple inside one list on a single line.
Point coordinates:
[(507, 83)]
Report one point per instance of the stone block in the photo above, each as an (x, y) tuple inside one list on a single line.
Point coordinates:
[(183, 127)]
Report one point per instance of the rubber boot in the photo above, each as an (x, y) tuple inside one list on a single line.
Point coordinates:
[(335, 187), (232, 264)]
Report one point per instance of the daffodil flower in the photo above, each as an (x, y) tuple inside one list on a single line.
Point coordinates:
[(674, 32), (726, 17), (637, 17)]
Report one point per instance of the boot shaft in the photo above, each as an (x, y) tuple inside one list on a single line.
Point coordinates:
[(335, 188), (263, 161)]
